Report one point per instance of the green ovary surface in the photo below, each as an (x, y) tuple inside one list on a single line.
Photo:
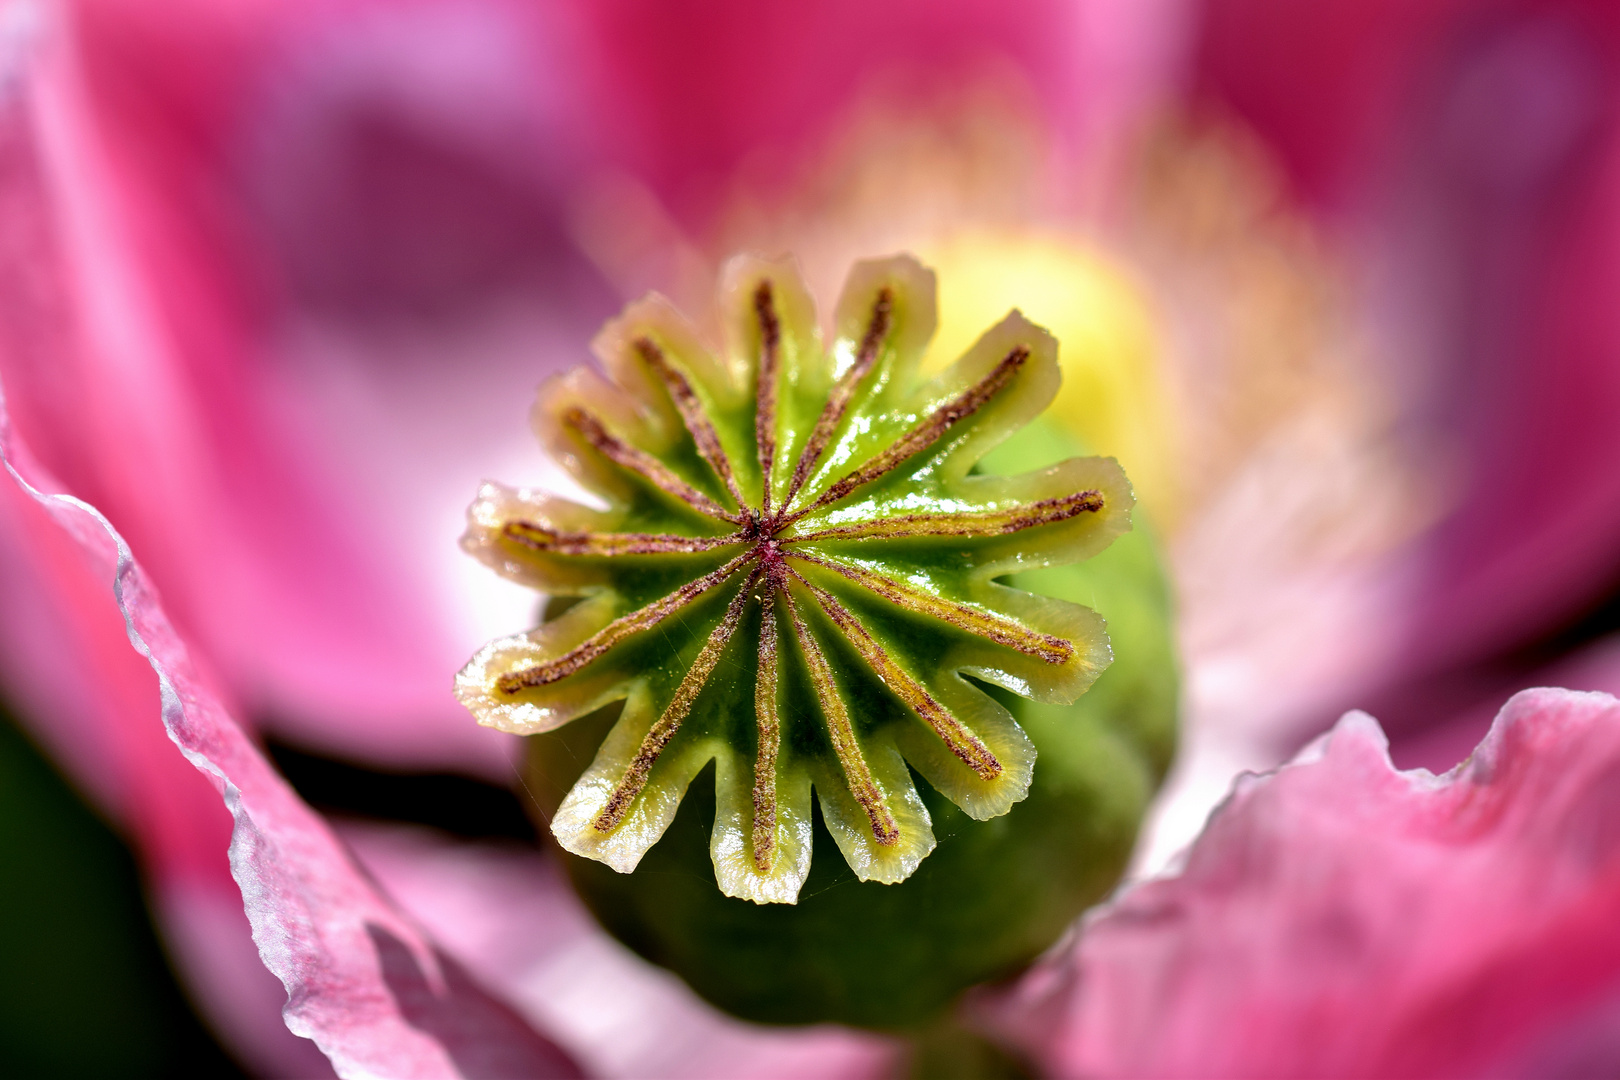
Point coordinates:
[(990, 897), (833, 728)]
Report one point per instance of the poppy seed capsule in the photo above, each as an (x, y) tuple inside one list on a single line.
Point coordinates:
[(800, 577)]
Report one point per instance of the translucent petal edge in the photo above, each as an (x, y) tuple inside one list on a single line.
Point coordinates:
[(622, 848), (580, 694), (731, 844), (851, 829)]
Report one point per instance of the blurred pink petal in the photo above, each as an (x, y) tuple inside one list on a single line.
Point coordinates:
[(1321, 82), (362, 981), (143, 364), (1471, 153), (1503, 207), (509, 915), (700, 92), (1341, 918)]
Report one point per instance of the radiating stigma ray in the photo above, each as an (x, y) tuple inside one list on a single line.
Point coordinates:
[(635, 776), (548, 541), (696, 420), (970, 523), (770, 343), (770, 737), (985, 624), (843, 392), (857, 774), (641, 463), (616, 631), (926, 433), (961, 741)]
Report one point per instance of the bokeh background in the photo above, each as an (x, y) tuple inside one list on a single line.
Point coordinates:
[(1336, 281)]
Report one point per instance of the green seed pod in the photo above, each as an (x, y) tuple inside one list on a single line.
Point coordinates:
[(801, 576)]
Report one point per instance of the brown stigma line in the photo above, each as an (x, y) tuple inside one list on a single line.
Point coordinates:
[(770, 739), (641, 463), (635, 777), (692, 414), (616, 631), (773, 550), (986, 624), (968, 523), (926, 433), (770, 344), (962, 742), (841, 732), (877, 332), (539, 538)]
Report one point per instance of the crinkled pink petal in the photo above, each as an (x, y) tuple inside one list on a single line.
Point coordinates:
[(508, 914), (210, 941), (1341, 918), (69, 673), (362, 980), (1593, 667)]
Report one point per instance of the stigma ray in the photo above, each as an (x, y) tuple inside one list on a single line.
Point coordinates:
[(955, 734), (616, 631), (635, 777), (971, 523), (770, 737), (924, 434), (843, 392), (765, 390), (643, 464), (692, 415), (548, 541), (841, 732), (985, 624)]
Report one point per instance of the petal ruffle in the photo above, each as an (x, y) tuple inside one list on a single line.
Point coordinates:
[(66, 665), (1341, 918)]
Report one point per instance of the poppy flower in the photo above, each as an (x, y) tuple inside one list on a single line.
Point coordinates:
[(264, 265)]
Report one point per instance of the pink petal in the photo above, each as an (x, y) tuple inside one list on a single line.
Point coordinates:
[(66, 665), (1472, 155), (67, 668), (695, 98), (508, 914), (1508, 198), (137, 348), (1320, 82), (1341, 918), (1593, 667), (210, 943), (361, 979)]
